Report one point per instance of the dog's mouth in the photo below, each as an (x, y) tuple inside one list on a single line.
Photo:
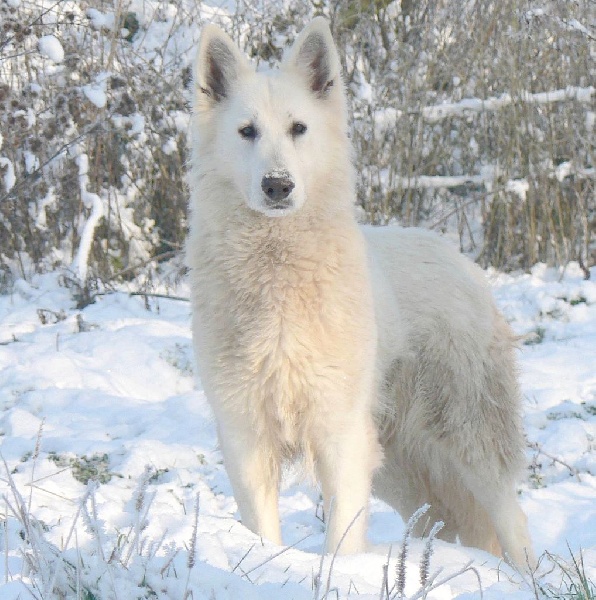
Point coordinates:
[(277, 210), (276, 206)]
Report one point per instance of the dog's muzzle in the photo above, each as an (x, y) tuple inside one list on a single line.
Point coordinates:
[(277, 190)]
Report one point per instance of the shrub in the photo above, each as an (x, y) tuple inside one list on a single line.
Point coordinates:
[(471, 118)]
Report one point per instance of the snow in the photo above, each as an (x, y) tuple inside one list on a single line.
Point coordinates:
[(112, 391), (519, 187), (100, 20), (442, 181), (170, 147), (9, 175), (95, 94), (94, 203), (461, 108), (488, 175), (31, 161), (39, 210), (50, 47)]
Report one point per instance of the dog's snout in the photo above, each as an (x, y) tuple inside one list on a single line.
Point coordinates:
[(277, 189)]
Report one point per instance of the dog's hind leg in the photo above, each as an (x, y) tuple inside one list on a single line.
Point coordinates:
[(475, 527), (483, 436), (490, 475), (511, 525), (254, 471), (482, 510), (498, 511)]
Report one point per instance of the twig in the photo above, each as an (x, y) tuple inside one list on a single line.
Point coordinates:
[(319, 575), (93, 521), (166, 296), (70, 533), (428, 550), (400, 581), (422, 593), (159, 257), (56, 154), (282, 551), (140, 504), (36, 481), (20, 511), (243, 557), (193, 548), (341, 540), (30, 24), (56, 494), (583, 267), (5, 527), (35, 457), (385, 581), (168, 562), (536, 446)]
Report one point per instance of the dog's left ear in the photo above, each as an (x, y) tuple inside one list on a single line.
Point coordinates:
[(315, 56)]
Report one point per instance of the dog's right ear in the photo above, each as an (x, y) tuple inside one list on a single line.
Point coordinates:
[(218, 65)]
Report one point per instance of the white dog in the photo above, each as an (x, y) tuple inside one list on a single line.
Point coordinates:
[(376, 355)]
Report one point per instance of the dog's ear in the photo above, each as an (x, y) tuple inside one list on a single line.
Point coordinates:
[(218, 65), (315, 56)]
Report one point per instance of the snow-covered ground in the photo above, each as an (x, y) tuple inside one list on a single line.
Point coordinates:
[(106, 394)]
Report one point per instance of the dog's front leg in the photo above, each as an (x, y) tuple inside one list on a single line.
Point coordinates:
[(254, 473), (345, 462)]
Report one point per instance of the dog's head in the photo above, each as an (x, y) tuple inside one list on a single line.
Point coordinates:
[(272, 133)]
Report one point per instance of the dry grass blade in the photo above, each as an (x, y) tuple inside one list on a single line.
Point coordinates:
[(427, 553), (341, 540), (190, 562), (401, 567)]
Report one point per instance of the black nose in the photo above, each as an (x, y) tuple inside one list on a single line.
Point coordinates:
[(276, 188)]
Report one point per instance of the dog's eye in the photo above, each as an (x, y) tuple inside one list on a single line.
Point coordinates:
[(298, 128), (248, 132)]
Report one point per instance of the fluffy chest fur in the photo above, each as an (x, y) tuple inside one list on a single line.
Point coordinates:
[(282, 322)]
